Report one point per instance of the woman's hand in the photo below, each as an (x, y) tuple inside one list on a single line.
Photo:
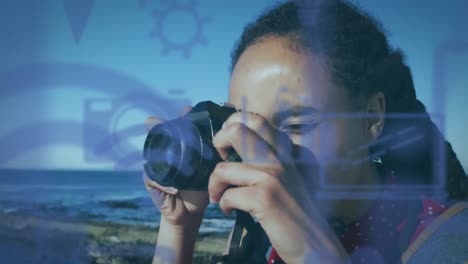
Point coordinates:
[(178, 208), (181, 216), (272, 190)]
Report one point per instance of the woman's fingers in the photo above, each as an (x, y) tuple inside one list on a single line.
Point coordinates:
[(228, 174), (247, 143), (154, 185), (158, 197), (239, 198), (263, 128)]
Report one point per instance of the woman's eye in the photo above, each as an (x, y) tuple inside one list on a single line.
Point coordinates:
[(298, 128)]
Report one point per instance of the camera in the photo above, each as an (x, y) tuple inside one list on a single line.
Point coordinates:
[(179, 153)]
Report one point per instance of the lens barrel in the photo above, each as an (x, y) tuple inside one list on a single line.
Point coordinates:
[(179, 154)]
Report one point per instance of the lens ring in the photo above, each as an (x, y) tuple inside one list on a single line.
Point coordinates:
[(162, 153)]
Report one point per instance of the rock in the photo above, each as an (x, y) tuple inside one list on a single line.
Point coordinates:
[(102, 260), (114, 239), (9, 210), (118, 261), (112, 260), (94, 253)]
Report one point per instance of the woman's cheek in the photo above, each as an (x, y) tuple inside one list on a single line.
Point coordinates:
[(328, 145), (325, 142)]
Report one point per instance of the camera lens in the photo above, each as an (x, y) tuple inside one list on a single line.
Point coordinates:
[(162, 152), (177, 155)]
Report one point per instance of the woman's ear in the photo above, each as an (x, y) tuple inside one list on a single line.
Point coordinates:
[(376, 111)]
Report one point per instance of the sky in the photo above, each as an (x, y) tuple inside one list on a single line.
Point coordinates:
[(78, 77)]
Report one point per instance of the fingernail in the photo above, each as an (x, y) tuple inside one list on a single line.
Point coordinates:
[(212, 200), (173, 190)]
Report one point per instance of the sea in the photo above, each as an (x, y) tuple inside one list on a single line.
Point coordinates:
[(99, 196)]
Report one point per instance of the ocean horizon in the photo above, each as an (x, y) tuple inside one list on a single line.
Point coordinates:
[(90, 195)]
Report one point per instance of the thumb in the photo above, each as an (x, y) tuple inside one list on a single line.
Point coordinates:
[(151, 121)]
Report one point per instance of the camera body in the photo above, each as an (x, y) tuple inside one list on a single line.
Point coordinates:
[(179, 153)]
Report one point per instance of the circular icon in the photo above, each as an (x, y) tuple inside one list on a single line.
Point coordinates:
[(173, 7), (100, 128)]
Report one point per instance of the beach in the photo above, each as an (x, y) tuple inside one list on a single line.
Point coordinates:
[(79, 217), (26, 239)]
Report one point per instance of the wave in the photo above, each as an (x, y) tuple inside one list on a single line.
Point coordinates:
[(9, 210), (102, 203), (216, 225), (128, 212), (20, 187), (125, 204), (123, 195)]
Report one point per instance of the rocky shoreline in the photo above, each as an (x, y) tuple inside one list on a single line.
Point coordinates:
[(27, 239)]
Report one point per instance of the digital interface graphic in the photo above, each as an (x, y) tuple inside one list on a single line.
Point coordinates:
[(160, 29), (77, 13), (79, 78), (97, 135)]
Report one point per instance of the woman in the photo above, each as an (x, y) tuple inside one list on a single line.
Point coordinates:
[(294, 72)]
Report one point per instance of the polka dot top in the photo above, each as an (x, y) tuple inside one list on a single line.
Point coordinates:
[(374, 238)]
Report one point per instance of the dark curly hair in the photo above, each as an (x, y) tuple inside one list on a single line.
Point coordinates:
[(356, 50)]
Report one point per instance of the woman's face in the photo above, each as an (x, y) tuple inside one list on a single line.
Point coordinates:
[(295, 92)]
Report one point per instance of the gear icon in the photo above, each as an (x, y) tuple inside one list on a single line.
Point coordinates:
[(169, 44)]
